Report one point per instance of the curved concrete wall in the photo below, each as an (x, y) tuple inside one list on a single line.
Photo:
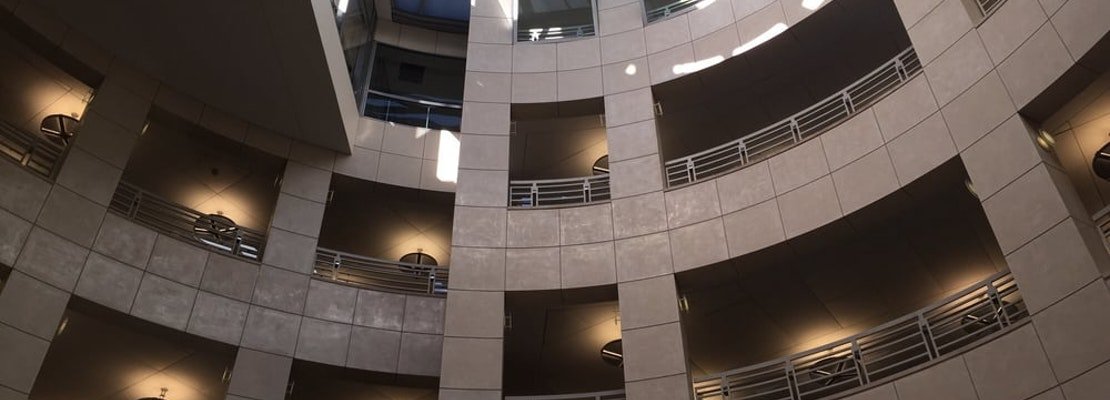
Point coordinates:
[(625, 55)]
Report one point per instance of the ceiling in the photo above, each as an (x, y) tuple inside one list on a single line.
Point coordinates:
[(105, 355), (384, 221), (188, 165), (554, 345), (32, 87), (277, 64), (312, 381), (824, 53), (894, 257)]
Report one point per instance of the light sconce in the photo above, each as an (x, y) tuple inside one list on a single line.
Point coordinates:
[(613, 353), (1045, 140), (160, 397), (1101, 162)]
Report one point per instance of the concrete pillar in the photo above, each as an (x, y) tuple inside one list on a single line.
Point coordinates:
[(72, 210), (473, 340), (654, 350), (259, 376), (980, 76)]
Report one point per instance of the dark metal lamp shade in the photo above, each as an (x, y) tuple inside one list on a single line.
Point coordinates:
[(1101, 163)]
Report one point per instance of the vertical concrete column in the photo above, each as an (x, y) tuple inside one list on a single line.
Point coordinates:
[(654, 351), (473, 342), (259, 376), (53, 256), (980, 75)]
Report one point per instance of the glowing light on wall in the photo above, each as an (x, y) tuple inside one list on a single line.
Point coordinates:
[(695, 66), (762, 38), (447, 168), (704, 3), (341, 8), (630, 69), (812, 4)]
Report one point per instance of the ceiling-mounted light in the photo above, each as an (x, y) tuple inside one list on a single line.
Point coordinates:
[(1045, 140), (160, 396)]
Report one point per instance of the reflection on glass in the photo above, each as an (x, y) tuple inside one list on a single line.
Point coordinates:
[(416, 89), (554, 19)]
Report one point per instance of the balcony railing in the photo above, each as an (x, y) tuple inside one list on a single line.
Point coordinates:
[(988, 6), (213, 232), (670, 9), (554, 33), (373, 273), (559, 192), (884, 352), (797, 128), (30, 150), (607, 395), (413, 112)]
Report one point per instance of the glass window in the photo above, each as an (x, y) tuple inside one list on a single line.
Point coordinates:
[(415, 88), (441, 15), (554, 19), (660, 9)]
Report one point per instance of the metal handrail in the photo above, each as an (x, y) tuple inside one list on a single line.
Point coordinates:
[(605, 395), (192, 226), (31, 151), (988, 6), (554, 33), (668, 10), (378, 274), (559, 192), (799, 127), (945, 328), (424, 119)]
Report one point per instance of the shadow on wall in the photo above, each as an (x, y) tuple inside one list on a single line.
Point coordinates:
[(99, 353), (383, 221), (908, 250), (188, 165), (555, 338), (312, 381)]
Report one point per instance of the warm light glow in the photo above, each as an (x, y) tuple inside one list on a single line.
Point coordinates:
[(704, 3), (1045, 140), (630, 69), (762, 38), (812, 4), (447, 166), (695, 66)]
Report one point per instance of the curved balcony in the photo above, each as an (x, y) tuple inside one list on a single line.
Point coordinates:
[(659, 10), (798, 128), (877, 355), (559, 192), (378, 274), (30, 151), (606, 395), (210, 231)]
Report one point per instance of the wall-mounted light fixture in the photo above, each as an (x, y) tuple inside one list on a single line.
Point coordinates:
[(160, 397), (1045, 140), (1101, 162)]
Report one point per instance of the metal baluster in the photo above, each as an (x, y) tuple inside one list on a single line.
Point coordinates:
[(427, 117), (740, 151), (792, 381), (999, 308), (927, 337), (431, 280), (335, 266), (587, 196), (238, 242), (795, 131), (861, 370), (135, 204), (900, 69), (848, 102), (691, 174), (535, 194)]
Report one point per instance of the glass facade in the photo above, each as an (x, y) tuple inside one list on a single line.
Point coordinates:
[(554, 19), (417, 89)]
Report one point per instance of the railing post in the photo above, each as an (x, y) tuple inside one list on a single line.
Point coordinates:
[(847, 102), (431, 280), (535, 194), (795, 130), (427, 116), (587, 196), (135, 203), (927, 337), (740, 150), (238, 242), (900, 69), (335, 266), (861, 369), (691, 174), (792, 380), (996, 303)]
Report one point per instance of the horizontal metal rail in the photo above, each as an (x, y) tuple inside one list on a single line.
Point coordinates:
[(554, 33), (31, 151), (988, 6), (798, 128), (412, 111), (558, 192), (606, 395), (944, 328), (670, 9), (378, 274), (192, 226)]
